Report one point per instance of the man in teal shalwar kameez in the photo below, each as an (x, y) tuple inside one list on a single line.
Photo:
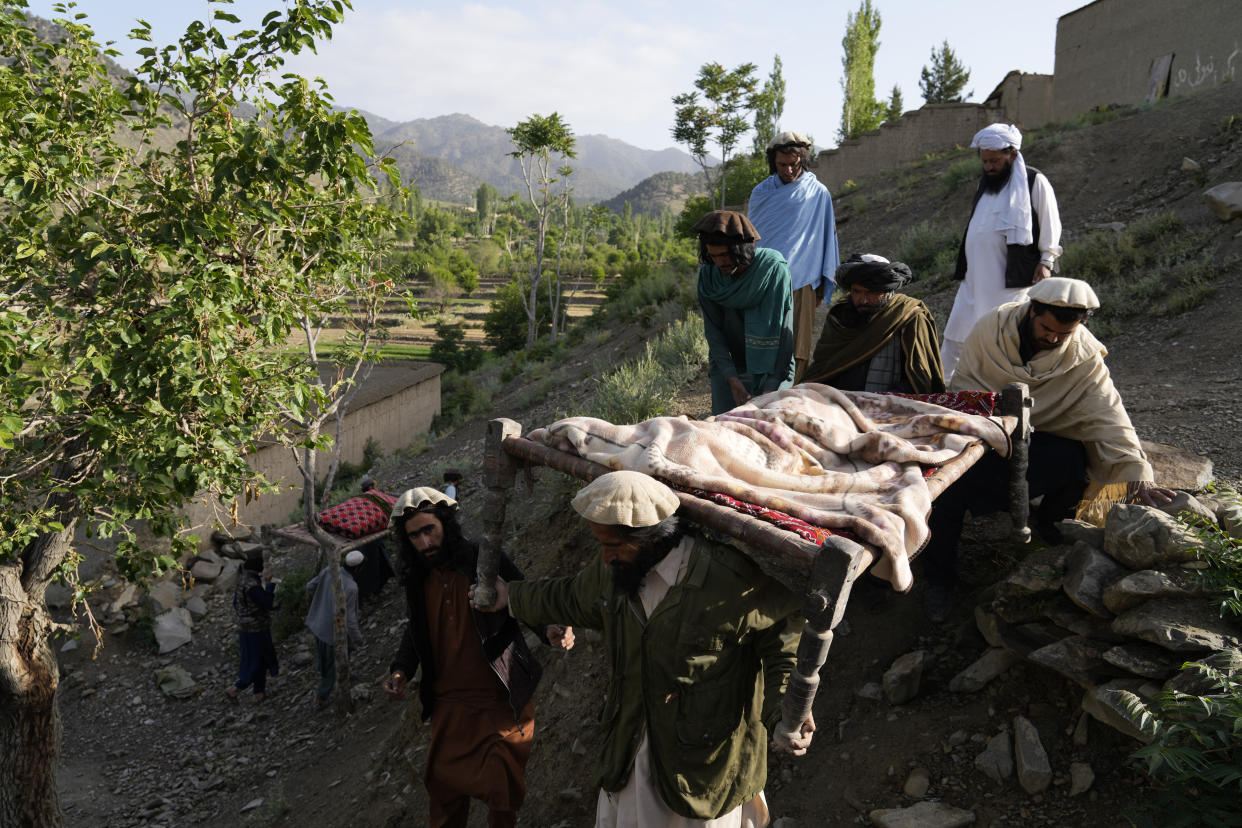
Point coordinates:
[(747, 304)]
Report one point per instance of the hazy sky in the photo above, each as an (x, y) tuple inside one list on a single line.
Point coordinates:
[(611, 67)]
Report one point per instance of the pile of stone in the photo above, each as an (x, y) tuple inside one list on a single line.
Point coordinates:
[(1118, 609)]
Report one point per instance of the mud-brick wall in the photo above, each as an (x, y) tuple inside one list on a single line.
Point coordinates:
[(933, 128), (1106, 50), (1026, 99), (394, 406)]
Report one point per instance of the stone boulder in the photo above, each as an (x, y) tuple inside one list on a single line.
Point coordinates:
[(1146, 660), (1144, 538), (996, 760), (1186, 502), (1127, 593), (1183, 626), (1225, 200), (987, 667), (164, 595), (902, 679), (1088, 572), (1108, 705), (1030, 758), (1176, 468), (207, 571), (922, 815), (1078, 658)]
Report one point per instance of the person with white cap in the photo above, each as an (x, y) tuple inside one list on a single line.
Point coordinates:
[(700, 644), (320, 618), (478, 675), (793, 211), (1080, 427), (1012, 239)]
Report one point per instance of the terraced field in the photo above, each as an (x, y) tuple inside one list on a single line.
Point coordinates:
[(412, 338)]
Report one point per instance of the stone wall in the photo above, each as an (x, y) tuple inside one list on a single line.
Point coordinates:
[(395, 404), (1109, 50), (933, 128)]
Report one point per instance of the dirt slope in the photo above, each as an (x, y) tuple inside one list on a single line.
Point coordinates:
[(132, 757)]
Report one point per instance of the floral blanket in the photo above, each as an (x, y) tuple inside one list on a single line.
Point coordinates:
[(849, 461)]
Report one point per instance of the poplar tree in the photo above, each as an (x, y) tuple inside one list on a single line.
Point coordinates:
[(769, 106), (945, 79), (860, 110)]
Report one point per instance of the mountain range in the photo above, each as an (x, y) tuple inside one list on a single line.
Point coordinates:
[(448, 157)]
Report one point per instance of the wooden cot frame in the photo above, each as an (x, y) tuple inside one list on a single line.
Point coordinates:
[(825, 573)]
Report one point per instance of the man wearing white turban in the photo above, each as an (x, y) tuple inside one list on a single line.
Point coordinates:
[(1012, 240)]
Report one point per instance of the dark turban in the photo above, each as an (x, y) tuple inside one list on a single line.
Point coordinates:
[(726, 227), (876, 275)]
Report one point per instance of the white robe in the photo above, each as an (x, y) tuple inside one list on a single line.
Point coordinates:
[(986, 255)]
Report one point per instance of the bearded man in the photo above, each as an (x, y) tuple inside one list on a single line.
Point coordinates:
[(699, 643), (478, 675), (877, 339), (1080, 426), (1012, 240), (793, 211), (744, 294)]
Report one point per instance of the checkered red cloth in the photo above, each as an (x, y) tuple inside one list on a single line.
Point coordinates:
[(358, 516)]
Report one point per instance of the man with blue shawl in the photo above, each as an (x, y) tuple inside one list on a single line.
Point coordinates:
[(747, 306), (793, 211)]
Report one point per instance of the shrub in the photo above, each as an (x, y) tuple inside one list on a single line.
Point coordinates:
[(451, 349), (646, 387), (291, 603), (968, 169), (928, 249), (505, 325)]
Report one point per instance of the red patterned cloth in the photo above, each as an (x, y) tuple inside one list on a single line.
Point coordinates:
[(982, 403), (358, 516)]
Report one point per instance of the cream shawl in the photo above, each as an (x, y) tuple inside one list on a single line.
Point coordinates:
[(1072, 392)]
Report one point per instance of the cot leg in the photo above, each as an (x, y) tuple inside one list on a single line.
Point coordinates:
[(1016, 402), (838, 563), (498, 472)]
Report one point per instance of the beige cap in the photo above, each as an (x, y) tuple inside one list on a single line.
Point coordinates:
[(418, 498), (788, 138), (354, 557), (626, 498), (1065, 293)]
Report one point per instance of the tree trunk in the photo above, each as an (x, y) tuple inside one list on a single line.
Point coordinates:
[(29, 677)]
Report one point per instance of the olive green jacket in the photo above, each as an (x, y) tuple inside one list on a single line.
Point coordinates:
[(703, 677)]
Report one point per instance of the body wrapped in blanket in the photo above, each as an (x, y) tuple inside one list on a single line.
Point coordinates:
[(848, 461)]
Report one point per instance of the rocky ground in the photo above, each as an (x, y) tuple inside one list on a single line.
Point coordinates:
[(133, 756)]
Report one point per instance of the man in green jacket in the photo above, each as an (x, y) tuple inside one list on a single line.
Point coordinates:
[(700, 644)]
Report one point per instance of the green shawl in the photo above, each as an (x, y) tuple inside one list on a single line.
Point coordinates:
[(762, 292), (841, 347)]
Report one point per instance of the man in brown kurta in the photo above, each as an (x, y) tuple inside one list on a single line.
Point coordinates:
[(482, 716)]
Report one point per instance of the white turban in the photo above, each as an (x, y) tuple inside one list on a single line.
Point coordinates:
[(1013, 208), (997, 137)]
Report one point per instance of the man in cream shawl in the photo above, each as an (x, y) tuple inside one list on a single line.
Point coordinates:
[(1080, 426)]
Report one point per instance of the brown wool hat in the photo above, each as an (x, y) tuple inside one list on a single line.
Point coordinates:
[(1065, 293), (727, 224), (626, 498)]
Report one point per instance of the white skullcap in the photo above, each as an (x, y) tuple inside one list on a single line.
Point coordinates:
[(354, 557), (997, 137), (626, 498), (787, 138), (874, 258), (419, 498), (1065, 293)]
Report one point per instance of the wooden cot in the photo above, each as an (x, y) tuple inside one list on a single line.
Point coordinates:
[(825, 573)]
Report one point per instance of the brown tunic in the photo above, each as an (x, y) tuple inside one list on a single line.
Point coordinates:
[(478, 747)]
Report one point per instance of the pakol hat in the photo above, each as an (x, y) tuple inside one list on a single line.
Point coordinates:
[(789, 139), (626, 498), (419, 498), (1064, 293), (726, 224)]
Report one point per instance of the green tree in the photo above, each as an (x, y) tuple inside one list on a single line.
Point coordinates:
[(769, 106), (537, 142), (146, 296), (945, 79), (720, 118), (860, 111), (895, 105), (485, 207)]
